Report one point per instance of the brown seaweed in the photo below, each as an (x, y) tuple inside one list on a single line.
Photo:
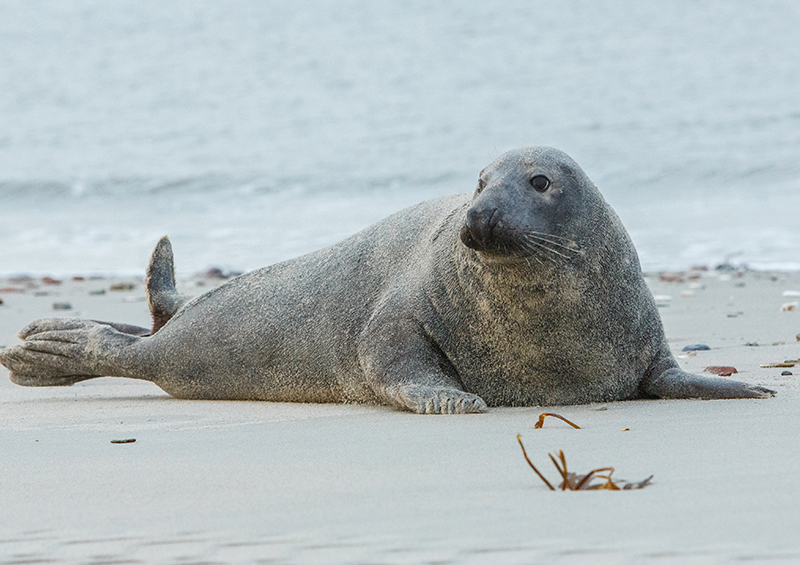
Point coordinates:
[(575, 481), (538, 425)]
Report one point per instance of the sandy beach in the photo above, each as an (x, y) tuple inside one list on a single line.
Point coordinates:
[(250, 482)]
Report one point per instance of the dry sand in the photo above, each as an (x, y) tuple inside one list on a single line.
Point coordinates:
[(247, 482)]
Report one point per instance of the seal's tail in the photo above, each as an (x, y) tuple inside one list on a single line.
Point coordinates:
[(162, 297)]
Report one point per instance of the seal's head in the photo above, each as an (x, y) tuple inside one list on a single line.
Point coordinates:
[(533, 202)]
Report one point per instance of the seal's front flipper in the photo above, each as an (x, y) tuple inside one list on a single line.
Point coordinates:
[(63, 351), (406, 369), (162, 297), (424, 399), (675, 383)]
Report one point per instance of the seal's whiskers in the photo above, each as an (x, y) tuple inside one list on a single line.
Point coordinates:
[(533, 244), (569, 244)]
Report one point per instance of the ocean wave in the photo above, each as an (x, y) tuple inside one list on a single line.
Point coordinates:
[(211, 184)]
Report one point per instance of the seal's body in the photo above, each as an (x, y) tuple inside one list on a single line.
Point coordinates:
[(527, 292)]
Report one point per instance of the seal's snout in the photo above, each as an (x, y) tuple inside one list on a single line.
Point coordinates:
[(477, 232)]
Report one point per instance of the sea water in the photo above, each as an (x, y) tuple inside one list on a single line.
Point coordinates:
[(252, 131)]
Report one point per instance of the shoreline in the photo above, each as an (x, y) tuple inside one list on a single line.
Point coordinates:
[(781, 267)]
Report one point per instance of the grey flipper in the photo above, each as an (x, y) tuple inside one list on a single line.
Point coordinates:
[(64, 351), (676, 383), (162, 297)]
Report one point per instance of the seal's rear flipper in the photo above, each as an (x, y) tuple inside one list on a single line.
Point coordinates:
[(64, 351), (162, 297)]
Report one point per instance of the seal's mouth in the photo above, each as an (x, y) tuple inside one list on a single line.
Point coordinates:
[(468, 239)]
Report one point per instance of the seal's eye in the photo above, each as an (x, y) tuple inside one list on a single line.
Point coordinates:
[(540, 183), (481, 186)]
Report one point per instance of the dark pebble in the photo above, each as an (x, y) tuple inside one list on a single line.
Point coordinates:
[(132, 440), (696, 347), (122, 286), (62, 306), (217, 273), (786, 373), (97, 292), (50, 280), (1, 301)]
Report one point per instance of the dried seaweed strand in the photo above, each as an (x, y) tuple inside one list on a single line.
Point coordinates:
[(538, 425), (562, 469), (585, 480), (535, 470)]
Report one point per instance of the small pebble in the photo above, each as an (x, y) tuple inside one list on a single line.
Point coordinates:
[(1, 301), (786, 373), (97, 292), (687, 293), (50, 280), (720, 370), (791, 293), (62, 306), (132, 440), (122, 286), (671, 277), (789, 306), (696, 347)]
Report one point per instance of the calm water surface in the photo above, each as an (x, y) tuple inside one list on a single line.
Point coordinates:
[(253, 131)]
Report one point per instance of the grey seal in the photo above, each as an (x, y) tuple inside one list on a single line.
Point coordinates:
[(527, 291)]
